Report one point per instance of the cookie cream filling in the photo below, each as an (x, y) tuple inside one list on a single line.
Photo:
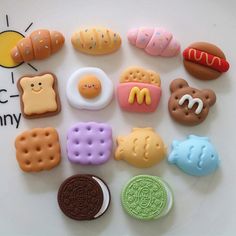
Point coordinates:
[(170, 200), (106, 197)]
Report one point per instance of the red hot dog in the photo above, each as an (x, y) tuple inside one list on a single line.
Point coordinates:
[(205, 61)]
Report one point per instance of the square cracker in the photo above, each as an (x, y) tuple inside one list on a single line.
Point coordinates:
[(38, 149)]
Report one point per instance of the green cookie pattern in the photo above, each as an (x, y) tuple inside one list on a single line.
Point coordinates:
[(144, 197)]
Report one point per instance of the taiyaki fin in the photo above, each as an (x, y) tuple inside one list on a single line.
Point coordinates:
[(120, 140), (118, 153), (173, 157), (175, 144)]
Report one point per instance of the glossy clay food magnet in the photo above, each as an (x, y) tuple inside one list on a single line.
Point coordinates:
[(142, 148), (154, 41), (187, 105), (87, 196), (205, 61), (84, 197), (139, 90), (195, 156), (39, 45), (89, 143), (96, 41), (89, 88), (147, 197), (38, 149), (39, 95)]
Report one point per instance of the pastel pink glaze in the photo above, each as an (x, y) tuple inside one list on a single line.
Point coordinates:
[(123, 91), (143, 37), (155, 41)]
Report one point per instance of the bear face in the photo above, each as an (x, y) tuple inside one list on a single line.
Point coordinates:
[(187, 105)]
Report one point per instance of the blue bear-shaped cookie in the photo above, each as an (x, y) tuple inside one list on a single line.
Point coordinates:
[(195, 156)]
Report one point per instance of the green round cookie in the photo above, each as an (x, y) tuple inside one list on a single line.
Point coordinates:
[(145, 197)]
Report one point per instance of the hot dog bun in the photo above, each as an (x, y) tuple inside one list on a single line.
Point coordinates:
[(205, 61)]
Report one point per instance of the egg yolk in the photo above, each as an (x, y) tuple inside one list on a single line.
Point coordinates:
[(89, 86)]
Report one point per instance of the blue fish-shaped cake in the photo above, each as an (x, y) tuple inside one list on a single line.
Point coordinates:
[(195, 156)]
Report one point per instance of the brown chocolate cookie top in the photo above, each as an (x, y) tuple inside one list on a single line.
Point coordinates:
[(187, 105), (80, 197)]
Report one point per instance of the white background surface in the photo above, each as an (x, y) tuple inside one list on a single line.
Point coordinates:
[(203, 206)]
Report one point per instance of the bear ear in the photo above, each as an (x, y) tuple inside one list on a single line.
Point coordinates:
[(178, 84), (210, 96)]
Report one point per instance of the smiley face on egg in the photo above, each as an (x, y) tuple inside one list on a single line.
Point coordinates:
[(89, 88)]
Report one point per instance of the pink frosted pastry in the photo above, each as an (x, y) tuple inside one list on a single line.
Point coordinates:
[(155, 41), (139, 90)]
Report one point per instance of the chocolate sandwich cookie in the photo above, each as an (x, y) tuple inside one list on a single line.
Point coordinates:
[(83, 197)]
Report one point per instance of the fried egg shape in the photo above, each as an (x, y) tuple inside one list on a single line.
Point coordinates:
[(89, 88)]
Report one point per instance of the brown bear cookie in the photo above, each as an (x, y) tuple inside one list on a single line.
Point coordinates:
[(187, 105), (83, 197)]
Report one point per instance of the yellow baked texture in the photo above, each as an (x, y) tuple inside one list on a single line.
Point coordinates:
[(38, 94), (96, 41), (38, 149), (139, 74)]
